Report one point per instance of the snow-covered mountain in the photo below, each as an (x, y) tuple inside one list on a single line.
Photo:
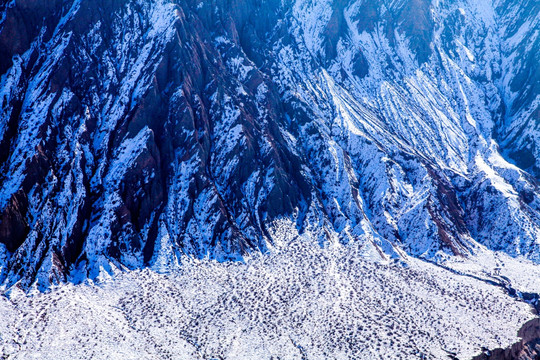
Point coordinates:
[(135, 132)]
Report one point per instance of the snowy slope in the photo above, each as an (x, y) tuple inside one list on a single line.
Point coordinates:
[(300, 302)]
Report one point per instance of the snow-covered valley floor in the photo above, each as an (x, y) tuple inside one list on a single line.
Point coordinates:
[(301, 303)]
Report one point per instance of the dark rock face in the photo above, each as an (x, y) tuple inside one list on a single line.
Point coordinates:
[(132, 133), (527, 349), (22, 23), (522, 112)]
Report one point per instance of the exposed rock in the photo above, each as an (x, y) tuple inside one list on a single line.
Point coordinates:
[(526, 349)]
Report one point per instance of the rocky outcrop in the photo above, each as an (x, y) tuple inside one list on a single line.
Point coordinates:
[(526, 349)]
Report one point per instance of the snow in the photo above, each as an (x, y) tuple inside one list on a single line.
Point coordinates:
[(33, 116), (312, 15), (498, 182), (300, 300), (520, 272), (124, 159), (239, 68)]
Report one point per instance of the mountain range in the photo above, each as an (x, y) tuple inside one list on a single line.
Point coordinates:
[(135, 132)]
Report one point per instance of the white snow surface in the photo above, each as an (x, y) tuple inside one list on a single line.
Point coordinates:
[(301, 301)]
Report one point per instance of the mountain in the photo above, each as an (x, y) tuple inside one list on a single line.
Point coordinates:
[(133, 133)]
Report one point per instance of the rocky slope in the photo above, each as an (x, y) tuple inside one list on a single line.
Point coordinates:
[(134, 132)]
